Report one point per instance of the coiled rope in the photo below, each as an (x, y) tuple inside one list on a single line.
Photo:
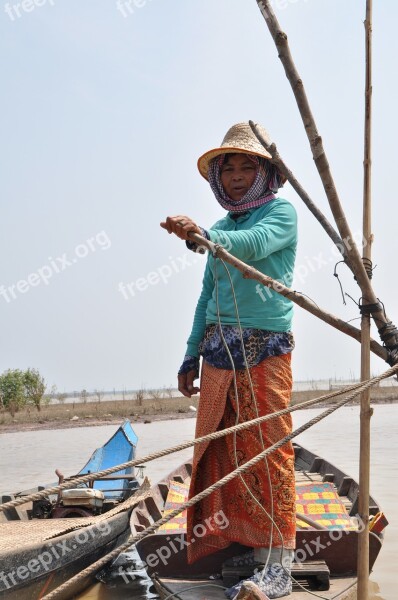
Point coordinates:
[(237, 472)]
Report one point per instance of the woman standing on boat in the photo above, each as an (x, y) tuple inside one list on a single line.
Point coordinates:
[(246, 369)]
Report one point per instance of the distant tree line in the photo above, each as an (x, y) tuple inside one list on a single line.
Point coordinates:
[(21, 388)]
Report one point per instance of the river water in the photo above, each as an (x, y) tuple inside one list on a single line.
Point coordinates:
[(30, 458)]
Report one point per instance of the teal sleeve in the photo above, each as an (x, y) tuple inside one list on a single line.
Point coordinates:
[(275, 231), (199, 322)]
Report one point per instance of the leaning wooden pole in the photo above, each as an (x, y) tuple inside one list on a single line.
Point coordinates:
[(366, 413)]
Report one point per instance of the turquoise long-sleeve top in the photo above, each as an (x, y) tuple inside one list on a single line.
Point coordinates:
[(265, 238)]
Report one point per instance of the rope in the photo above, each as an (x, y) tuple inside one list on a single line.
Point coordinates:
[(369, 309), (389, 336), (161, 453), (269, 516), (237, 472), (335, 273), (369, 268), (388, 331), (195, 587)]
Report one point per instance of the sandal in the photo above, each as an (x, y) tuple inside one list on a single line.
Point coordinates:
[(243, 560), (275, 583)]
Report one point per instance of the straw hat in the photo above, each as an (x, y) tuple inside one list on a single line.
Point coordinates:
[(239, 138)]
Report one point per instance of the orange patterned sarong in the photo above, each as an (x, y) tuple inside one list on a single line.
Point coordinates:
[(248, 524)]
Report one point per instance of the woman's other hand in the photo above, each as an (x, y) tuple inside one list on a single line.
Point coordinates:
[(180, 226), (186, 383)]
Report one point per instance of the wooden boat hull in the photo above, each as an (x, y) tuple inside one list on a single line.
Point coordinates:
[(340, 555), (31, 572), (38, 555), (165, 552)]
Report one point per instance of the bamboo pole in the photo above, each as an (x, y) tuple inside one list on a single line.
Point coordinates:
[(296, 297), (322, 164), (366, 412)]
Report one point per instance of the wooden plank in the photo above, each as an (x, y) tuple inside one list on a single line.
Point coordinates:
[(315, 571), (303, 477)]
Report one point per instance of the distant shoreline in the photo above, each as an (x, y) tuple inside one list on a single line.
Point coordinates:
[(96, 414), (68, 424)]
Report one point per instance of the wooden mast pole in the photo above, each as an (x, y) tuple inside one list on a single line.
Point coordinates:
[(366, 412)]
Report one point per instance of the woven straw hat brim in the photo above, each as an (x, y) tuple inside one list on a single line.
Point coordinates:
[(204, 160), (239, 139)]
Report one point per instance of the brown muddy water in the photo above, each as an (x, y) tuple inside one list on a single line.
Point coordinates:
[(30, 458)]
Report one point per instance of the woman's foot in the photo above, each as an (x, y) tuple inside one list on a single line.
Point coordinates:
[(274, 583), (243, 560)]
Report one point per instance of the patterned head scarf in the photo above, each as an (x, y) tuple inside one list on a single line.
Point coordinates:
[(266, 183)]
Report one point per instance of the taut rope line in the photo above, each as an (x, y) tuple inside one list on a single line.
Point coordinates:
[(136, 538), (211, 436)]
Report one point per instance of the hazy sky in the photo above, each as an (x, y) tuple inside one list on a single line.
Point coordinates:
[(105, 109)]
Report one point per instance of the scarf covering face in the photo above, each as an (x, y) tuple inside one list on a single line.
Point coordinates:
[(266, 183)]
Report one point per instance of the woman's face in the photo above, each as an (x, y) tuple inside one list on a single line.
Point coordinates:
[(237, 175)]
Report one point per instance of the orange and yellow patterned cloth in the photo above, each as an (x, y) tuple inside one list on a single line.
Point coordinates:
[(322, 504), (177, 495), (218, 409)]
